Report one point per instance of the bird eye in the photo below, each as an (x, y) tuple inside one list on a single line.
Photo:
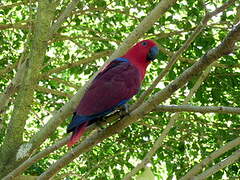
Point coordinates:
[(144, 43)]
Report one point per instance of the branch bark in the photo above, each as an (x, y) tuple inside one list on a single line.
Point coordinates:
[(14, 136), (13, 86), (226, 47)]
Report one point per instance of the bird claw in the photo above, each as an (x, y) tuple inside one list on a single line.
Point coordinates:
[(98, 124), (124, 110)]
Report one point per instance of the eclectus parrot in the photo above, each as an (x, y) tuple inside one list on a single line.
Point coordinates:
[(116, 84)]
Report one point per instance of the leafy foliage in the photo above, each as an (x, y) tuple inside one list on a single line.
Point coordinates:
[(96, 26)]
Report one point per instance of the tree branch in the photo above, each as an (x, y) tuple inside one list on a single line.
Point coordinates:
[(10, 151), (59, 37), (26, 164), (191, 61), (125, 11), (197, 168), (229, 160), (200, 109), (52, 91), (65, 14), (74, 64), (65, 82), (13, 86), (18, 25)]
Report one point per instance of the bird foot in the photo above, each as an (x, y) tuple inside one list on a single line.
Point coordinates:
[(99, 125), (124, 110)]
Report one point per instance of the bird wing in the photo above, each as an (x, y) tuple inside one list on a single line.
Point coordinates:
[(112, 87)]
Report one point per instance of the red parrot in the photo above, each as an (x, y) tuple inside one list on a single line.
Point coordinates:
[(119, 81)]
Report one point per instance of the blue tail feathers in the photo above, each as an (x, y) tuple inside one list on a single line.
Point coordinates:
[(77, 120)]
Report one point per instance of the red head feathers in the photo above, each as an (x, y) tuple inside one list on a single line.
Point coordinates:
[(141, 54)]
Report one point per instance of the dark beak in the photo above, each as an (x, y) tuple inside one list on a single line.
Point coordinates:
[(152, 53)]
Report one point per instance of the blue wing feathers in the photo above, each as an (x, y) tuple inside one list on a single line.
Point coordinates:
[(77, 120)]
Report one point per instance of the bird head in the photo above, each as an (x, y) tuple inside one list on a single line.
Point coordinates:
[(147, 50), (142, 53)]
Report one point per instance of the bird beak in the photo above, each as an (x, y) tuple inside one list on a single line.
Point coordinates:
[(152, 53)]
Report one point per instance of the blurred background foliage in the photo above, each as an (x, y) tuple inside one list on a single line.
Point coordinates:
[(101, 25)]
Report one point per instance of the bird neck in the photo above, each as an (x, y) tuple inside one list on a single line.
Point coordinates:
[(141, 65)]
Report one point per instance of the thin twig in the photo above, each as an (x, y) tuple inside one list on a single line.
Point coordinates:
[(191, 61), (65, 14), (52, 91), (226, 162), (197, 168), (200, 109), (74, 64)]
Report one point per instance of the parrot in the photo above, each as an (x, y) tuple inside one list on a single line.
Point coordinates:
[(112, 88)]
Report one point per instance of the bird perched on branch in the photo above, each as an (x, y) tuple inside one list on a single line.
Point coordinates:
[(116, 84)]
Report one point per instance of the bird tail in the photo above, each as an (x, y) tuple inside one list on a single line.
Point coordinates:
[(77, 133)]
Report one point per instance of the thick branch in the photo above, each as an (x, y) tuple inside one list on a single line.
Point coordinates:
[(224, 48), (22, 106)]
